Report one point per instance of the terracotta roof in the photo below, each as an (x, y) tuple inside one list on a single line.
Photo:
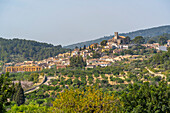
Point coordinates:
[(111, 40), (122, 36)]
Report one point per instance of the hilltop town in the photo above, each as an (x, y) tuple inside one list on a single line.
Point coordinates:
[(104, 54), (84, 56)]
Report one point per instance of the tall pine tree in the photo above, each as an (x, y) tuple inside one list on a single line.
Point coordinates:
[(19, 96)]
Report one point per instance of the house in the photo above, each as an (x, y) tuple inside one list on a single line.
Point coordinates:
[(95, 45), (117, 50), (90, 66), (91, 61), (8, 64), (118, 58), (105, 49), (135, 56), (162, 48), (74, 53), (168, 43), (126, 56), (60, 66), (124, 46), (104, 64), (19, 64), (154, 45)]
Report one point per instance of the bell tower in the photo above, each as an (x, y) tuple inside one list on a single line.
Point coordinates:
[(116, 35)]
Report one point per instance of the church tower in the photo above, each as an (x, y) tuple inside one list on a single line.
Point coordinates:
[(116, 35)]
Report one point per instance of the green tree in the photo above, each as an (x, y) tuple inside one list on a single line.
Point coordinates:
[(151, 41), (30, 108), (127, 40), (162, 40), (40, 101), (19, 97), (84, 47), (92, 100), (96, 55), (6, 90), (80, 49), (139, 40), (103, 43), (95, 45), (77, 61), (146, 98)]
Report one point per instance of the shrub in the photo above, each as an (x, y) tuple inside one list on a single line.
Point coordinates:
[(96, 75), (92, 100)]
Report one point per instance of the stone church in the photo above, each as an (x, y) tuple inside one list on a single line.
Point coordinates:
[(119, 40)]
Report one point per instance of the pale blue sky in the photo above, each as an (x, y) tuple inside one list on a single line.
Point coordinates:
[(70, 21)]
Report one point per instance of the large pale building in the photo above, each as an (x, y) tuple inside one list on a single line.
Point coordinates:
[(23, 68)]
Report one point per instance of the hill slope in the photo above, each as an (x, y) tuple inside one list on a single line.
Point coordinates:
[(20, 49), (151, 32)]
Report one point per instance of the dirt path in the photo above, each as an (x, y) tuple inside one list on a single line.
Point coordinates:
[(156, 74)]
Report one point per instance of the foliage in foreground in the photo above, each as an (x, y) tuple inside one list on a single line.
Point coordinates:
[(18, 95), (31, 108), (147, 98), (92, 101), (5, 91), (144, 98)]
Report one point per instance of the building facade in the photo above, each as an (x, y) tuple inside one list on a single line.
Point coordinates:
[(23, 68)]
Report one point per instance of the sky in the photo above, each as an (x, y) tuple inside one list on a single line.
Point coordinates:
[(67, 22)]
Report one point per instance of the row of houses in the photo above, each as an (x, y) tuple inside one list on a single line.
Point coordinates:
[(157, 46), (108, 61)]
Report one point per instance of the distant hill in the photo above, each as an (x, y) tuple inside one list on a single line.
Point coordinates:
[(151, 32), (20, 49)]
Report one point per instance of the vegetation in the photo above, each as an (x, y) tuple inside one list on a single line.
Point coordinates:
[(138, 40), (161, 39), (6, 91), (77, 61), (121, 87), (92, 100), (146, 98), (103, 43), (20, 50), (18, 96), (161, 60)]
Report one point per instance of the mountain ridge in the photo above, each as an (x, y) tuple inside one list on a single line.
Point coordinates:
[(149, 32)]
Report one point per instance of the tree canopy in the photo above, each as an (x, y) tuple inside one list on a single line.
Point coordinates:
[(6, 91), (20, 50), (92, 100), (103, 43), (139, 40), (146, 98), (77, 61)]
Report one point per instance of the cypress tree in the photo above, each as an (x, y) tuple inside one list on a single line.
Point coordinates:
[(13, 91), (19, 97)]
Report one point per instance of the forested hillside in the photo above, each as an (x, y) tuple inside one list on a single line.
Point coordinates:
[(157, 38), (147, 33), (21, 49), (161, 60)]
